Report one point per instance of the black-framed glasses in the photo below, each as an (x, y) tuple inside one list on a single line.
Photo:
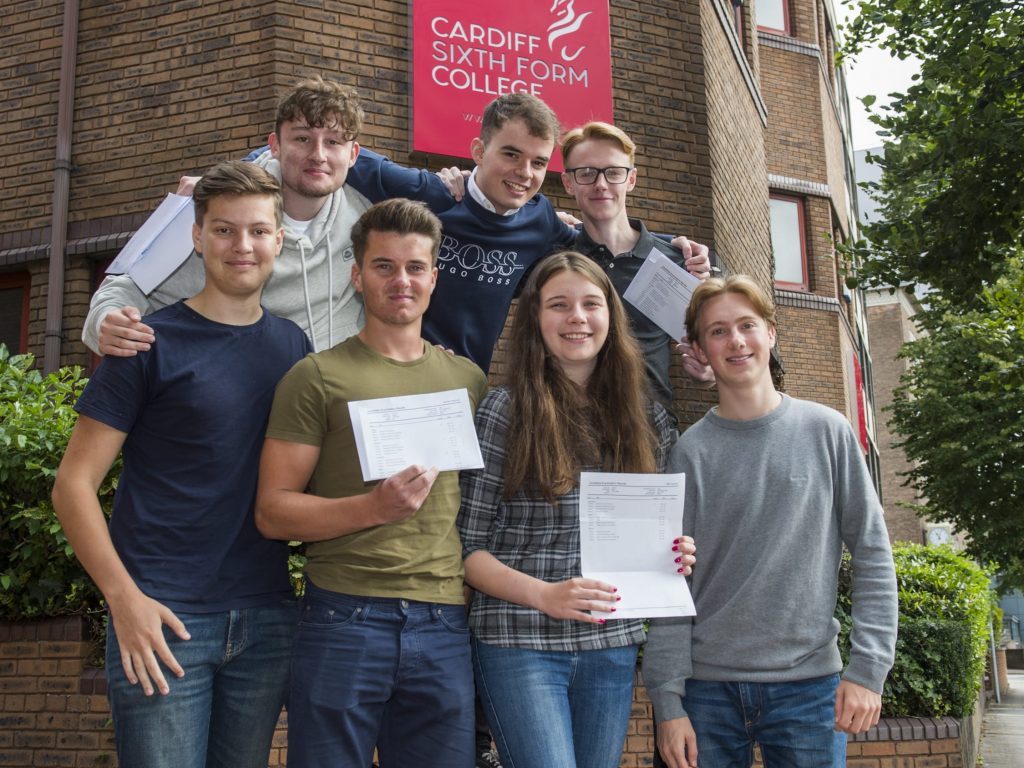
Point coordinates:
[(613, 174)]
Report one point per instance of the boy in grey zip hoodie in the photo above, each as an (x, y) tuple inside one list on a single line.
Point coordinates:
[(775, 487), (312, 148)]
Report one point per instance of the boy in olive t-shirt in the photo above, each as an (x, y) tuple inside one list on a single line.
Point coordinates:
[(382, 656)]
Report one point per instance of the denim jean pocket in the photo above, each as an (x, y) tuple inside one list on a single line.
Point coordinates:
[(453, 617), (317, 615)]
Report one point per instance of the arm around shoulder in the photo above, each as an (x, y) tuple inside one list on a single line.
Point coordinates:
[(378, 178)]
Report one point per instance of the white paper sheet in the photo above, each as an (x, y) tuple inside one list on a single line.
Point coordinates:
[(159, 246), (661, 290), (627, 524), (435, 430)]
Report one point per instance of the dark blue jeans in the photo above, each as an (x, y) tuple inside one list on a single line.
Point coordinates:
[(792, 722), (222, 713), (384, 672)]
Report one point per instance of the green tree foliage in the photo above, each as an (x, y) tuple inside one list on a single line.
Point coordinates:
[(952, 191), (39, 575), (960, 412), (951, 217), (945, 606)]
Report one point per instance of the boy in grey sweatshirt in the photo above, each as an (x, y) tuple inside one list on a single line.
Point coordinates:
[(774, 488)]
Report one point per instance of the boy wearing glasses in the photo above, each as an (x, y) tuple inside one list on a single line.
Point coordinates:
[(599, 172)]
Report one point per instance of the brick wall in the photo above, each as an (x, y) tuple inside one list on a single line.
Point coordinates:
[(887, 328), (47, 720), (805, 337), (737, 146)]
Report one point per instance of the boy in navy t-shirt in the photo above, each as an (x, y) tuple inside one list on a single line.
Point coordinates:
[(192, 587)]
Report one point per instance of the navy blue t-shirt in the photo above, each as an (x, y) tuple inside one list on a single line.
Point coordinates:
[(195, 409)]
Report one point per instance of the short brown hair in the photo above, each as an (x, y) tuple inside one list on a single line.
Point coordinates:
[(743, 285), (400, 216), (600, 132), (539, 118), (235, 178), (322, 104)]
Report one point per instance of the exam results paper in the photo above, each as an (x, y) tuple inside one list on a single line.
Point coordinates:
[(434, 430), (627, 524)]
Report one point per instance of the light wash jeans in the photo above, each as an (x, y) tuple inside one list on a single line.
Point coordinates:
[(556, 709), (222, 713), (792, 722)]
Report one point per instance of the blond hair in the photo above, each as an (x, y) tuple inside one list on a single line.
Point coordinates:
[(597, 131), (742, 285)]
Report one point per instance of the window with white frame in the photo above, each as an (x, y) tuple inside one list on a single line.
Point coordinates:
[(789, 242)]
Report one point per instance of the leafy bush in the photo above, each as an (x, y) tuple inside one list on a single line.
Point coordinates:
[(945, 609), (40, 575)]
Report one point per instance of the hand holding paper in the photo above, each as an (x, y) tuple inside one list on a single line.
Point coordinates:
[(402, 494), (627, 525), (575, 598), (661, 290)]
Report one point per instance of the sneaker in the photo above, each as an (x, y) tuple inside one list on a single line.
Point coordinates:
[(488, 759)]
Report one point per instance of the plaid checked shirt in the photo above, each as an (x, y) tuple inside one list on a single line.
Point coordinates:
[(530, 535)]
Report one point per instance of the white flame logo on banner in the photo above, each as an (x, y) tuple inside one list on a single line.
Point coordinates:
[(566, 23)]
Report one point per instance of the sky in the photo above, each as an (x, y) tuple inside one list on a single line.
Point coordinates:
[(874, 73)]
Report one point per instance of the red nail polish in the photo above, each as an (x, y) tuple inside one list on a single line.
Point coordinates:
[(675, 549), (618, 598), (600, 621), (679, 559), (612, 610), (681, 570)]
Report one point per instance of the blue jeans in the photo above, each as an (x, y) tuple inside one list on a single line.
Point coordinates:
[(380, 671), (792, 722), (556, 709), (222, 713)]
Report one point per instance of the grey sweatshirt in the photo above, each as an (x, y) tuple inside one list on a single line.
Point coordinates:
[(770, 502), (311, 284)]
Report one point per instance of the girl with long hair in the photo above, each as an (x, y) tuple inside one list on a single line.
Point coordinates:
[(556, 681)]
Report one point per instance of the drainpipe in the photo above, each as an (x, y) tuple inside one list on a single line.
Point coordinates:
[(61, 187)]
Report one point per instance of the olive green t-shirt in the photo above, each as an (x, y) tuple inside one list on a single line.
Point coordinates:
[(419, 558)]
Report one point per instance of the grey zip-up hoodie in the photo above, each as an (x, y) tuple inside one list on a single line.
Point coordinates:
[(311, 284)]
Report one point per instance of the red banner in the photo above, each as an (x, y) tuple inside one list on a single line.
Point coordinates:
[(467, 53)]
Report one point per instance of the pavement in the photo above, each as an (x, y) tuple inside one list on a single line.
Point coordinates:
[(1002, 730)]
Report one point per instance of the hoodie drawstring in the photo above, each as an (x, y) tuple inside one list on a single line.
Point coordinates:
[(305, 290)]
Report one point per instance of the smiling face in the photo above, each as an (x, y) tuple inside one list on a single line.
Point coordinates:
[(511, 165), (573, 319), (238, 240), (314, 161), (735, 340), (599, 201), (396, 278)]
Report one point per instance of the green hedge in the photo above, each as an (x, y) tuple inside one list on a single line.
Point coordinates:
[(40, 575), (946, 605)]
